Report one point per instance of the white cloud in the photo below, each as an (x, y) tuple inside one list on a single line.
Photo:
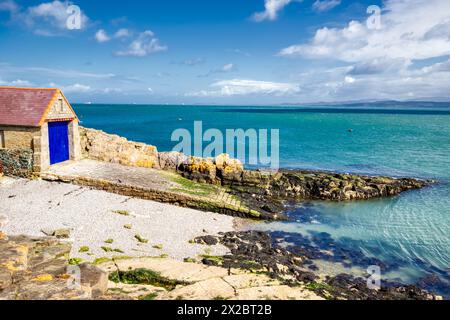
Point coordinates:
[(227, 67), (39, 72), (101, 36), (122, 33), (410, 29), (9, 6), (349, 79), (431, 82), (192, 62), (271, 10), (111, 90), (76, 88), (247, 87), (381, 64), (49, 18), (144, 45), (16, 83), (325, 5), (23, 83), (437, 67)]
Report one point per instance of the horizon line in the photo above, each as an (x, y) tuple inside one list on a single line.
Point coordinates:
[(287, 104)]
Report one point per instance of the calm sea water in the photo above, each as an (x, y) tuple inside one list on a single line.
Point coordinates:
[(410, 140)]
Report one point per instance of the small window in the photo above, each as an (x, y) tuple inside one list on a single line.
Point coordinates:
[(60, 105), (2, 139)]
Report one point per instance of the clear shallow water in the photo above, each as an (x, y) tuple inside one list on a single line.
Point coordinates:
[(396, 140)]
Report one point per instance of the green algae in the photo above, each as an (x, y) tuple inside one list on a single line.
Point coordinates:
[(84, 249), (122, 212), (75, 261), (145, 277), (141, 239)]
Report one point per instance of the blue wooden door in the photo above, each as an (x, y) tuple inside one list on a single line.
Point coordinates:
[(58, 136)]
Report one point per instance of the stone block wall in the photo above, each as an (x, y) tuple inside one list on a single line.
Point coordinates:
[(98, 145), (101, 146), (41, 157), (17, 162), (18, 137), (74, 141)]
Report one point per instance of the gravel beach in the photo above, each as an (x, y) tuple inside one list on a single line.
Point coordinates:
[(104, 224)]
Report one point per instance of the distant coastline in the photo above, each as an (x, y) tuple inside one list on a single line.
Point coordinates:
[(362, 103)]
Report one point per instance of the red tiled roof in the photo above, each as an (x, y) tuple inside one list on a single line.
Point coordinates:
[(24, 106)]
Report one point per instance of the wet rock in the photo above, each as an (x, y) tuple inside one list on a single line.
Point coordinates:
[(262, 252), (433, 282), (355, 288), (253, 250), (207, 240)]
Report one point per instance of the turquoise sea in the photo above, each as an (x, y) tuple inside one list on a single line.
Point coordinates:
[(394, 139)]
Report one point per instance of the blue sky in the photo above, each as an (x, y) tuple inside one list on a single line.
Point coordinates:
[(229, 51)]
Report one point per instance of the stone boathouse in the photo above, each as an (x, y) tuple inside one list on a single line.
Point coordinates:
[(38, 128)]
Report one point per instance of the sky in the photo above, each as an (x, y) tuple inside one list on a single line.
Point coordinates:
[(228, 51)]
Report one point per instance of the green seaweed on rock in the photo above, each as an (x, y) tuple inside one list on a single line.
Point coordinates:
[(145, 277)]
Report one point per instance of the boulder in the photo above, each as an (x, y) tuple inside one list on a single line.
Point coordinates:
[(171, 160), (199, 169), (229, 170), (94, 278)]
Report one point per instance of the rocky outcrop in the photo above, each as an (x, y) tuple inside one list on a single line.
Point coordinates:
[(205, 170), (98, 145), (168, 279), (171, 161), (259, 186), (37, 269), (254, 251), (263, 192), (266, 191), (258, 252), (316, 185)]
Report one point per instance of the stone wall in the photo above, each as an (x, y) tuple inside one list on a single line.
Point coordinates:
[(41, 157), (36, 139), (74, 140), (18, 137), (17, 162), (101, 146), (98, 145), (60, 109)]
